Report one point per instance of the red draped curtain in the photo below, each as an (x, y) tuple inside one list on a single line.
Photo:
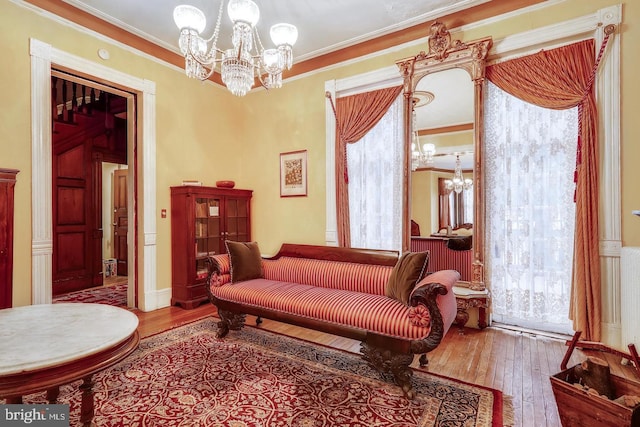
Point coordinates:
[(559, 79), (355, 116)]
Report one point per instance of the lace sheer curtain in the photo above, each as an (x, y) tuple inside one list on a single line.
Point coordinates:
[(375, 183), (530, 155)]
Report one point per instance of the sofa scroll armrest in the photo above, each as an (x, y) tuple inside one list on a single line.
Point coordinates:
[(219, 270), (435, 293)]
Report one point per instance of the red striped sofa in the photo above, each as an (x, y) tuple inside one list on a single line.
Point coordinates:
[(341, 291)]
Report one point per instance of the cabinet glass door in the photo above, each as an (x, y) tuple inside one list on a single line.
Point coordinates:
[(216, 233), (207, 232), (237, 220)]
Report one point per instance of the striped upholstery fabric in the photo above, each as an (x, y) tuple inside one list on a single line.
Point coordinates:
[(443, 258), (376, 313), (223, 279), (224, 263), (221, 274), (365, 278)]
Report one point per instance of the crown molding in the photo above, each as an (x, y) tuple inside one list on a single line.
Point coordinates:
[(82, 20)]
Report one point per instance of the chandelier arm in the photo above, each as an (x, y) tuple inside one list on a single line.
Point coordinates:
[(262, 83), (206, 65), (199, 58)]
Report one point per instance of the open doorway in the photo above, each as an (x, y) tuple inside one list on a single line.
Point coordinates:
[(90, 138), (115, 224), (142, 291)]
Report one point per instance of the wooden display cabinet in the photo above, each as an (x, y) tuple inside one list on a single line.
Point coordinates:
[(202, 219)]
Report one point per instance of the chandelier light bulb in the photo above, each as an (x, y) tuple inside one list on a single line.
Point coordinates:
[(429, 149), (243, 11), (271, 60), (284, 34), (186, 16)]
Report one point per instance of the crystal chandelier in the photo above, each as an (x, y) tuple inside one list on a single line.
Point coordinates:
[(421, 156), (247, 59), (458, 182)]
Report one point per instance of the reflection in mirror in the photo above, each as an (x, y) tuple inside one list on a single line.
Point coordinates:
[(441, 182), (443, 118), (455, 209), (443, 123)]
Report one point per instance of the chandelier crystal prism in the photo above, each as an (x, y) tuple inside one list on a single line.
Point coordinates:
[(247, 59)]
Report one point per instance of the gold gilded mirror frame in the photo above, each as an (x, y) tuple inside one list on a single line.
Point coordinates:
[(444, 54)]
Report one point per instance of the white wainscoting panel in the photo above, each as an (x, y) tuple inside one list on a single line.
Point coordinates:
[(630, 295)]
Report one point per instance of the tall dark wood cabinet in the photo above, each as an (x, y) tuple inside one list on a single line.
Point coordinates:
[(202, 218), (7, 184)]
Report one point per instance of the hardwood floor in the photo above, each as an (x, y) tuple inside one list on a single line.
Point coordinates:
[(518, 363)]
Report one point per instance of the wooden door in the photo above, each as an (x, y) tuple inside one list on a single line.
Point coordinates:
[(120, 220), (7, 184), (76, 261)]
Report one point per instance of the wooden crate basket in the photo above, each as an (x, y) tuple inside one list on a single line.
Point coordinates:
[(579, 408)]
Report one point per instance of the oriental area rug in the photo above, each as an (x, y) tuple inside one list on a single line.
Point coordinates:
[(115, 295), (188, 377)]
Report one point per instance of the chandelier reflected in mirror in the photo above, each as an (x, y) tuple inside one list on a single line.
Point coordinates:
[(247, 59), (458, 182), (421, 155)]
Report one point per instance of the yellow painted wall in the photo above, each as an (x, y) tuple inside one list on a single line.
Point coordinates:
[(204, 133), (424, 200), (195, 135)]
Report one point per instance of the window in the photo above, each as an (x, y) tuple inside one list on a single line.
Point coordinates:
[(375, 183), (530, 215)]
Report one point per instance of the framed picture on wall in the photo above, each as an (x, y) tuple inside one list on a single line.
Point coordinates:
[(293, 173)]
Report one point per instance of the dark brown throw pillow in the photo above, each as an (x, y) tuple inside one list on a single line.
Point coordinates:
[(409, 270), (245, 260)]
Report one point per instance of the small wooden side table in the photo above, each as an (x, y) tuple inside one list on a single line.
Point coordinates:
[(47, 345), (468, 298)]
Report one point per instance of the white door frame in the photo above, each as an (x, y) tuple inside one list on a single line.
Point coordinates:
[(43, 57)]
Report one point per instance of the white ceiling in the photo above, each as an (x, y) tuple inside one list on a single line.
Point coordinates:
[(323, 26)]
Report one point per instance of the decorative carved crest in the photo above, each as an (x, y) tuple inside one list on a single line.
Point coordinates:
[(445, 53), (440, 41)]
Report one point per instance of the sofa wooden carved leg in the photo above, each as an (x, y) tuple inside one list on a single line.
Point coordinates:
[(424, 360), (229, 321), (397, 364)]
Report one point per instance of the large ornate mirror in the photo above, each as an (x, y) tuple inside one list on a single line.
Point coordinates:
[(443, 198)]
